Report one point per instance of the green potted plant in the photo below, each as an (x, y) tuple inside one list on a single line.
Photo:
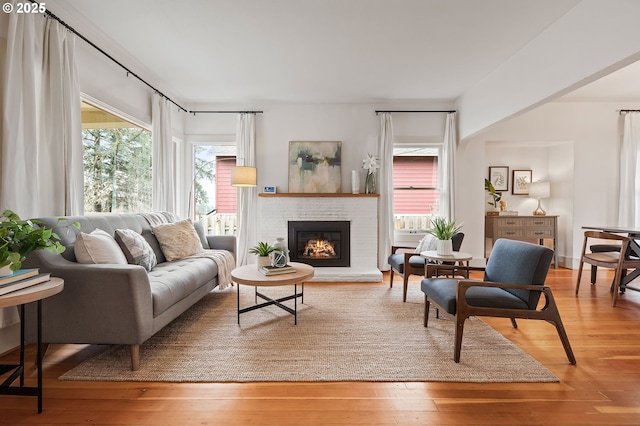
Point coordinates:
[(262, 250), (18, 238), (444, 229), (495, 195)]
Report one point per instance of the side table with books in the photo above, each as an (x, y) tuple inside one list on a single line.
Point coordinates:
[(32, 288)]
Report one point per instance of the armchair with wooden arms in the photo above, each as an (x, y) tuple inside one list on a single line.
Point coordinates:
[(621, 260), (511, 288), (411, 263)]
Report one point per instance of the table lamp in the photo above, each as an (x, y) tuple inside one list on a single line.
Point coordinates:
[(539, 190)]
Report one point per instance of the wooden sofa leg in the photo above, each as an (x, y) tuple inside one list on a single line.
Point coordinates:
[(405, 281), (135, 357), (391, 278)]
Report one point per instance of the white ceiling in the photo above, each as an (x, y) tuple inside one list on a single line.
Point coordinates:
[(317, 50)]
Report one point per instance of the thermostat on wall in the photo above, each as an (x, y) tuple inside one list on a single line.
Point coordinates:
[(269, 189)]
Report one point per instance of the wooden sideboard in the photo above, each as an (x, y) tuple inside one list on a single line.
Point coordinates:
[(525, 228)]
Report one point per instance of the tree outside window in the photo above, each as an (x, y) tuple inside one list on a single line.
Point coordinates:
[(117, 163)]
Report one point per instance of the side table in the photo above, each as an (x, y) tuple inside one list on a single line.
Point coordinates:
[(457, 257), (19, 298)]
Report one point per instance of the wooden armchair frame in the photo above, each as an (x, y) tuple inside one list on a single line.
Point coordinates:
[(619, 261), (549, 312)]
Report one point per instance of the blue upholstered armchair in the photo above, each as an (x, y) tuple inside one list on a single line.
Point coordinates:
[(410, 263), (513, 282)]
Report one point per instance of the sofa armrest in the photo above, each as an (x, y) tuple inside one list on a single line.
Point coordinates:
[(102, 304), (222, 242)]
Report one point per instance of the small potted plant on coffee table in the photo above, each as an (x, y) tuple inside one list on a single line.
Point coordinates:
[(262, 250)]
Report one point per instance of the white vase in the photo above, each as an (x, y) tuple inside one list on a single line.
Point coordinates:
[(444, 247), (355, 182)]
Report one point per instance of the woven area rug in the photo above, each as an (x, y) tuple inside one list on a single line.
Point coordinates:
[(345, 332)]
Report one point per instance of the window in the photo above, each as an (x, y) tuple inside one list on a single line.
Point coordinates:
[(214, 201), (117, 163), (415, 187)]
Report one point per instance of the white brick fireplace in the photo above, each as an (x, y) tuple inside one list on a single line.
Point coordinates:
[(276, 210)]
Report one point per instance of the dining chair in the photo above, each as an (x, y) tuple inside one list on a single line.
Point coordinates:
[(410, 262), (620, 261), (513, 283)]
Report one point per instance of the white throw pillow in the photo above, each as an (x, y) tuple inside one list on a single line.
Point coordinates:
[(98, 247), (429, 242), (177, 240)]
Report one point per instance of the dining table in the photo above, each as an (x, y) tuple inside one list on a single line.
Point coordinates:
[(634, 250)]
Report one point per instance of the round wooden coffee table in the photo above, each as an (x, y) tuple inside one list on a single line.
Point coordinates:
[(250, 275)]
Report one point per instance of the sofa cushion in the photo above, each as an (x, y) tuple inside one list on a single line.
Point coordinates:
[(177, 240), (136, 249), (171, 282), (98, 247)]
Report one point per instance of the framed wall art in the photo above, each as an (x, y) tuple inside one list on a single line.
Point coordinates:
[(499, 177), (314, 167), (521, 180)]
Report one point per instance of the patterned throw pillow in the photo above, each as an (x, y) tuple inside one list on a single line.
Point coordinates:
[(177, 240), (136, 249), (98, 247)]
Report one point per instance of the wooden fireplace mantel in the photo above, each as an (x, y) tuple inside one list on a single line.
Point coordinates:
[(322, 194)]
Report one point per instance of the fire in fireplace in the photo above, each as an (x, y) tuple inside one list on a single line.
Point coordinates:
[(320, 243)]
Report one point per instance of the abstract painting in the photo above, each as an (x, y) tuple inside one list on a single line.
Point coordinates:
[(314, 167)]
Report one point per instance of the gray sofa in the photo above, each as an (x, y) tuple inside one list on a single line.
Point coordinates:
[(117, 304)]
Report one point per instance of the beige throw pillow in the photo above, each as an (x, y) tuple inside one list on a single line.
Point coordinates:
[(177, 240), (98, 247)]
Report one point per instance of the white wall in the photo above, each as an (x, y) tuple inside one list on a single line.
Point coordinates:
[(354, 124), (597, 38), (581, 143)]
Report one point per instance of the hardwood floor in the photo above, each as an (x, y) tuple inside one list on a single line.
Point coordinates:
[(602, 389)]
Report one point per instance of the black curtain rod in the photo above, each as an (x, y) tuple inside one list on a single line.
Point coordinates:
[(129, 72), (420, 111), (629, 110), (225, 112)]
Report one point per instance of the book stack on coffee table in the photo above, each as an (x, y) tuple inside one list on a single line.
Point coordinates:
[(21, 279), (273, 270)]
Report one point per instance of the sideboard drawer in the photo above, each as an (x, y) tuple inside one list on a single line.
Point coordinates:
[(539, 233), (509, 222), (542, 222), (509, 233)]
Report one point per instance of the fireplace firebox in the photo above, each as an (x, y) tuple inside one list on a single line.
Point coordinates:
[(320, 243)]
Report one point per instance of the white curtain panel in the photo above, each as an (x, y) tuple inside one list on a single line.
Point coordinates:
[(163, 172), (385, 202), (447, 171), (247, 197), (629, 204), (41, 170)]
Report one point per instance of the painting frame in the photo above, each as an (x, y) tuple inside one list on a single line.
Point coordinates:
[(315, 167), (499, 177), (520, 182)]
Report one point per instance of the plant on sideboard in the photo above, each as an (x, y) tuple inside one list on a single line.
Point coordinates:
[(19, 237), (495, 195)]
